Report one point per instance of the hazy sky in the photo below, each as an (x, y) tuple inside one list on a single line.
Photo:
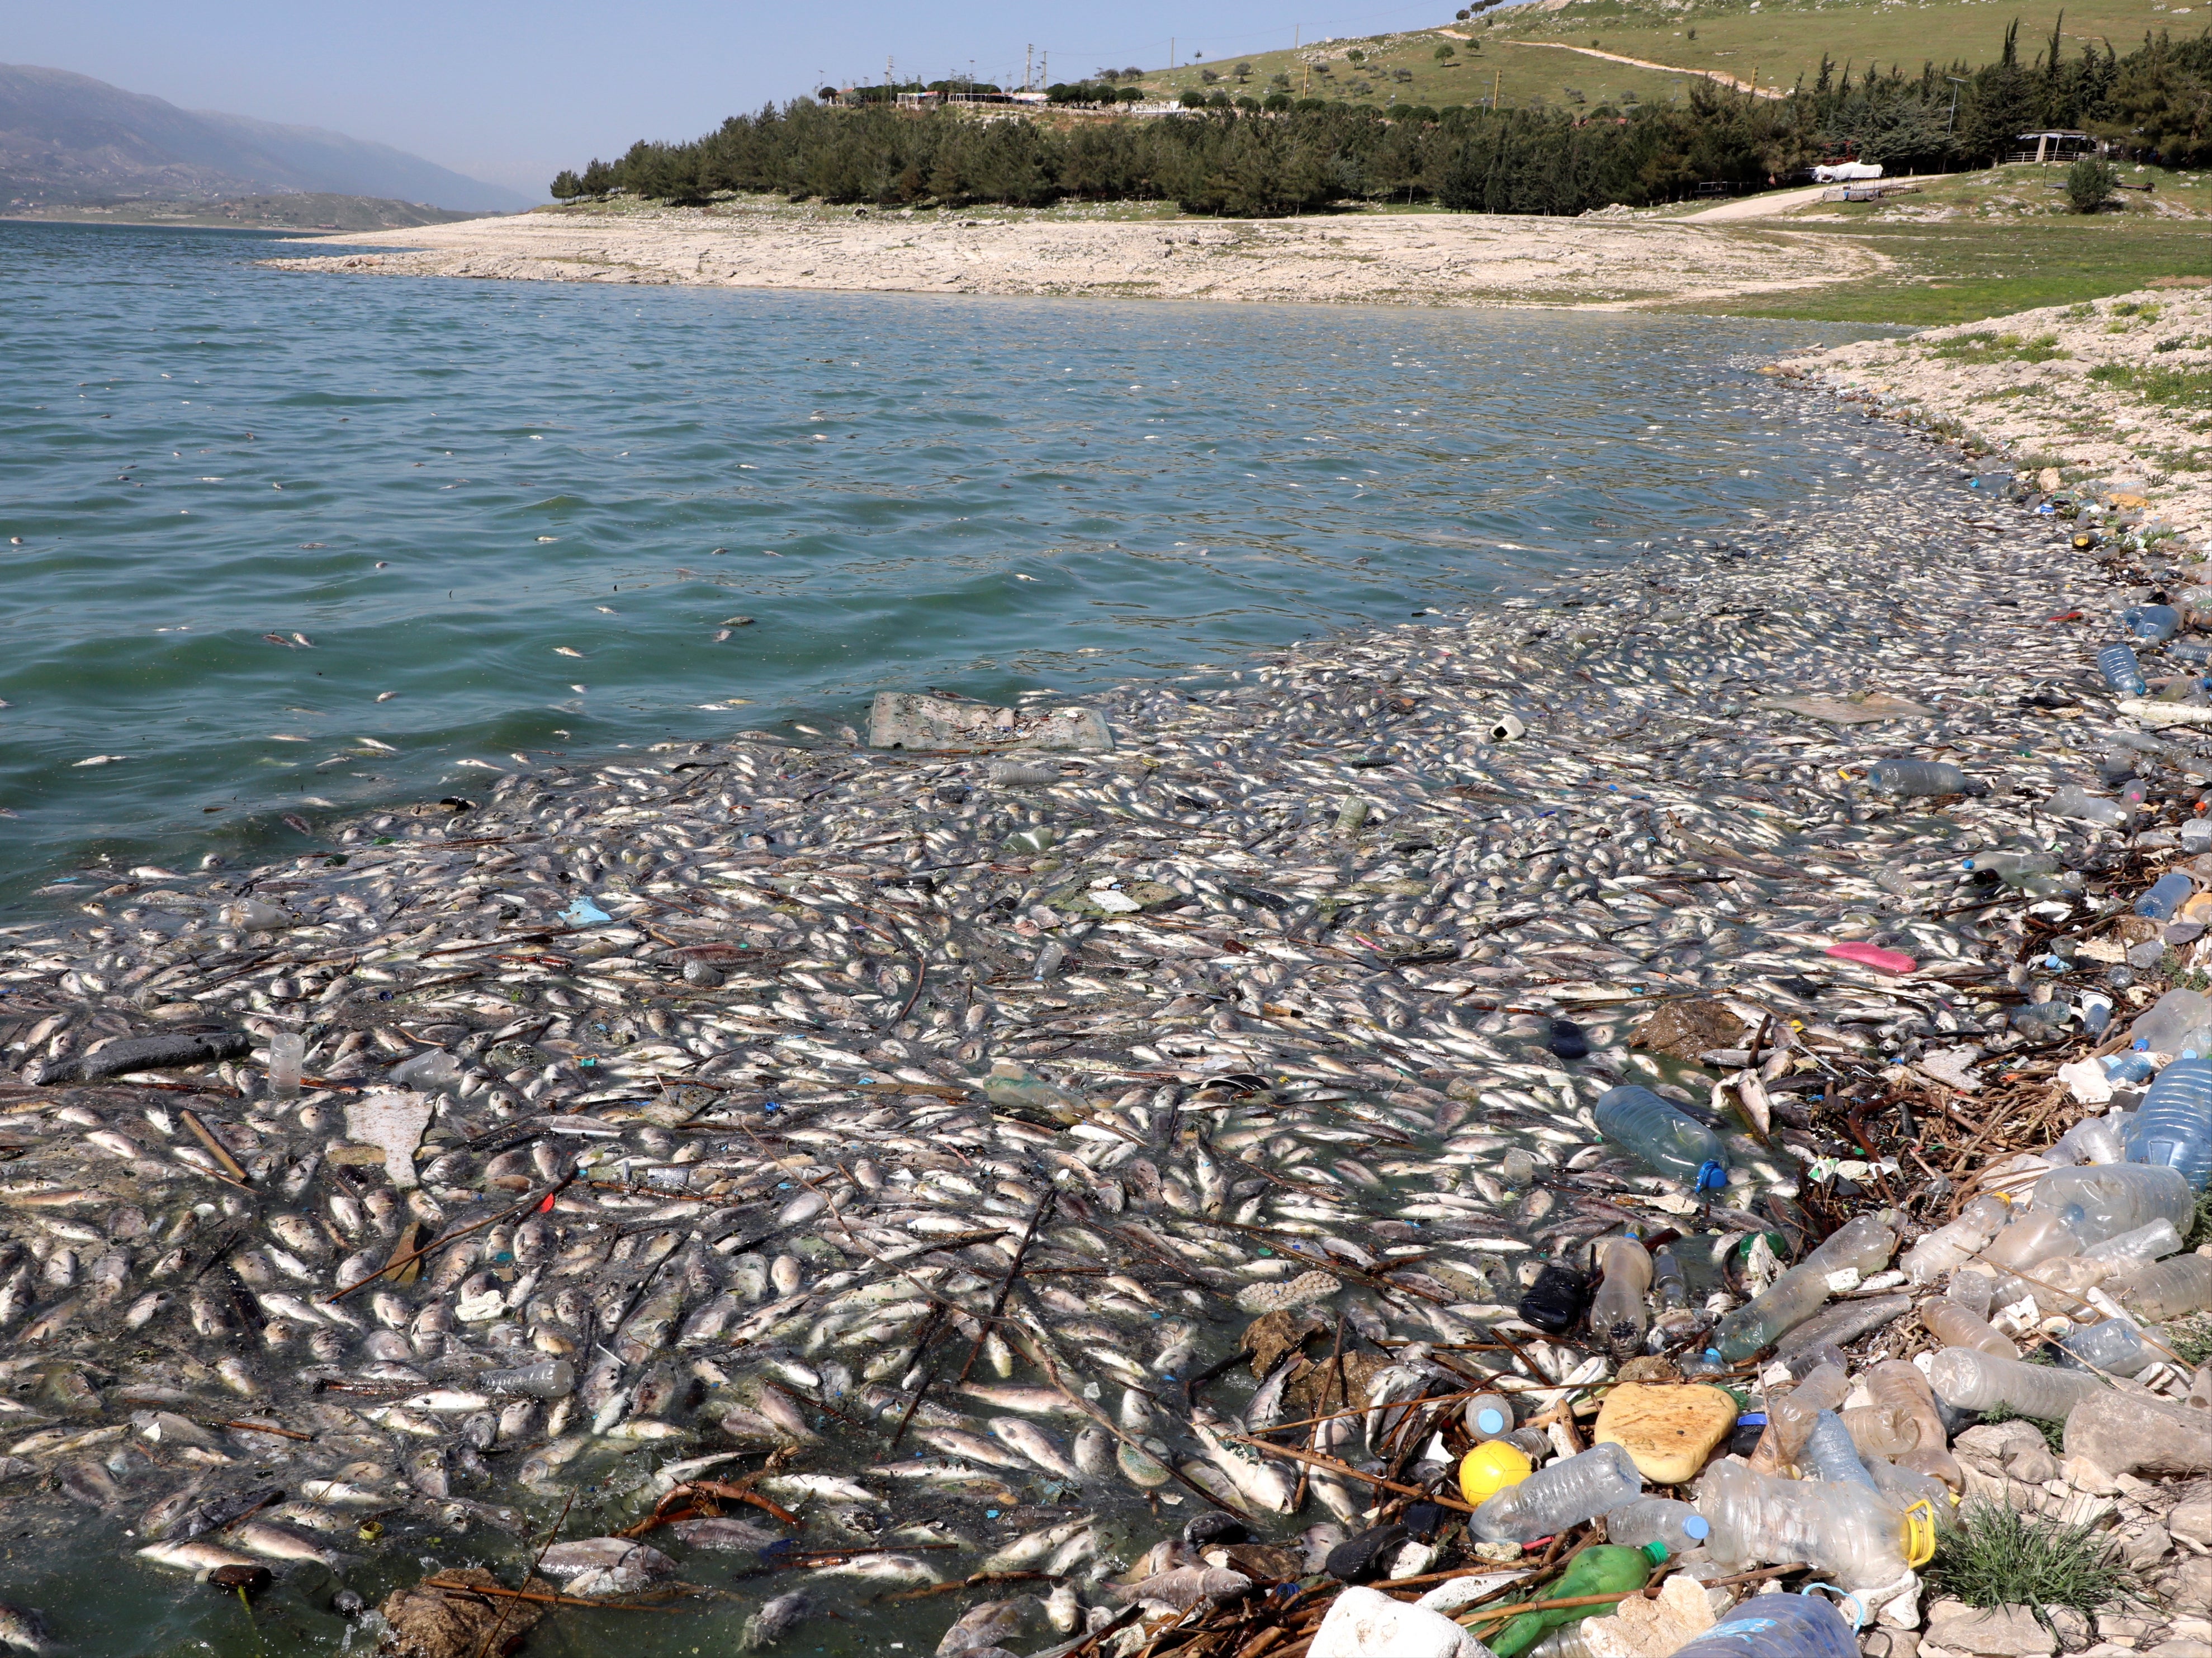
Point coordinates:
[(511, 93)]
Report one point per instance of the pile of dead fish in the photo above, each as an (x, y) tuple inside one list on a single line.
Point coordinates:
[(1096, 1181)]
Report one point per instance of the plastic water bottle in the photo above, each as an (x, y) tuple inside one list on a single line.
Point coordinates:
[(2093, 1140), (2170, 1288), (2012, 867), (1952, 1325), (2155, 622), (1975, 1381), (2137, 1248), (2197, 835), (1948, 1247), (1678, 1146), (1880, 1431), (1489, 1416), (1565, 1494), (2072, 801), (2168, 894), (1617, 1315), (2128, 1068), (2115, 1346), (1918, 777), (549, 1378), (287, 1048), (1898, 1383), (1777, 1626), (2173, 1125), (1657, 1520), (1852, 1533), (430, 1070), (2037, 1237), (2118, 664), (1830, 1454), (1864, 1244), (2106, 1199)]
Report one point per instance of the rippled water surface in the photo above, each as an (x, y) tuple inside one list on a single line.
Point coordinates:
[(287, 544)]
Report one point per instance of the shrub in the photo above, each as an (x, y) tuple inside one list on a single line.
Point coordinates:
[(2090, 182), (1998, 1557), (1443, 53)]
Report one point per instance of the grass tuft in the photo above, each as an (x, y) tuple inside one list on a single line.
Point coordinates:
[(2191, 1338), (2054, 1433), (2181, 387), (1985, 347), (1998, 1557), (2199, 1230)]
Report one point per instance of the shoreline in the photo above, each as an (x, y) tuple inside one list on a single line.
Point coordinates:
[(1592, 262), (1286, 964)]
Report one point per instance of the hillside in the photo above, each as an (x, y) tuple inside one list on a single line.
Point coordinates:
[(69, 138), (305, 210), (1568, 52)]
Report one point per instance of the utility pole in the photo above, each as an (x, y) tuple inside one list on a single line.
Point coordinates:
[(1029, 63), (1172, 40), (1497, 79), (1949, 126)]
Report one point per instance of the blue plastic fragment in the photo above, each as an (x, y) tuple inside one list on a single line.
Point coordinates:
[(584, 913)]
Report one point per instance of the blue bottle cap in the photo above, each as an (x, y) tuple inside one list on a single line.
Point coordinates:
[(1712, 1176), (1490, 1420), (1699, 1527)]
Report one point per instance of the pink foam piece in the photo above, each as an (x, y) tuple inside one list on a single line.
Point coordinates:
[(1873, 956)]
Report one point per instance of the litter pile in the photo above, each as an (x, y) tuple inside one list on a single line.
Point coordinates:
[(1411, 1143)]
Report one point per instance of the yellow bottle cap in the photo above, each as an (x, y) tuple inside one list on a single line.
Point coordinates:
[(1919, 1534), (1490, 1467)]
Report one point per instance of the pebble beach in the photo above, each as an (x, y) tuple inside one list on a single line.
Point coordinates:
[(1092, 1165)]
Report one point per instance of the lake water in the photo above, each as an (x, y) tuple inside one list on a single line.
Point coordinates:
[(242, 506)]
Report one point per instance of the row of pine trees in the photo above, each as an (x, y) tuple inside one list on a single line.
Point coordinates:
[(2157, 101)]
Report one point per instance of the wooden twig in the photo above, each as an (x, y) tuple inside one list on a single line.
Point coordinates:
[(1006, 1285), (542, 1200), (1334, 1467), (216, 1149)]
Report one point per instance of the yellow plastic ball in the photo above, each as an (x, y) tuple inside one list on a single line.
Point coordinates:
[(1490, 1467)]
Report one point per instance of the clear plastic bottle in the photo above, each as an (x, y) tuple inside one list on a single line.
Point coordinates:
[(1948, 1247), (2155, 622), (2039, 1237), (2114, 1346), (549, 1378), (2012, 867), (1974, 1381), (1677, 1317), (1791, 1415), (2118, 665), (1679, 1147), (2107, 1200), (2074, 802), (2161, 1027), (2166, 895), (1901, 1487), (1568, 1640), (2137, 1248), (1830, 1455), (1973, 1288), (1656, 1520), (287, 1048), (1616, 1315), (1850, 1533), (2092, 1140), (2167, 1288), (1864, 1242), (1952, 1325), (1775, 1626), (1898, 1383), (1489, 1416), (1918, 777), (2173, 1125), (2129, 1068), (1565, 1493)]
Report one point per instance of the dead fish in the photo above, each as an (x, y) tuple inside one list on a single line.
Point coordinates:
[(195, 1556), (1032, 1442), (22, 1629), (775, 1621), (723, 1534)]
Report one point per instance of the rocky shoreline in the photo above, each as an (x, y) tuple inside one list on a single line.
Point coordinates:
[(884, 1171)]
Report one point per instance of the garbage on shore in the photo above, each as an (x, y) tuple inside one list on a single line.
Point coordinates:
[(1338, 1171)]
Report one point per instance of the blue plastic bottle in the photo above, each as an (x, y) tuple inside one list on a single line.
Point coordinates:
[(2156, 623), (2118, 664), (2175, 1125), (1777, 1626), (2168, 894), (1679, 1147), (1830, 1455)]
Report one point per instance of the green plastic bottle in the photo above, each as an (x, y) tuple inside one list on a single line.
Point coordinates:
[(1601, 1569)]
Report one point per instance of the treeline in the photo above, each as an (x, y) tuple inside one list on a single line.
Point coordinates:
[(1241, 163)]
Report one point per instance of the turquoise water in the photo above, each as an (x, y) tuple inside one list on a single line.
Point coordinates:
[(443, 486)]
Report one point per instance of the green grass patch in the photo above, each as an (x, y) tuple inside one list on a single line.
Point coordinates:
[(1997, 1556), (2191, 1338), (2180, 388), (1985, 347), (1962, 271), (2054, 1433)]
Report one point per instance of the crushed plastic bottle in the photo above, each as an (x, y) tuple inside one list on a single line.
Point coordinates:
[(2166, 895), (1973, 1381), (2118, 664), (2102, 1202), (2012, 867), (549, 1378), (1790, 1417), (2155, 622), (2093, 1140), (1952, 1325), (1830, 1453), (1617, 1315), (1657, 1520), (1880, 1431), (1777, 1626), (2039, 1237), (2166, 1289), (2114, 1346), (1898, 1382), (431, 1070), (1950, 1246), (1910, 778), (1677, 1146), (2173, 1125), (1863, 1244), (1850, 1533), (2071, 801), (1565, 1493), (2137, 1248)]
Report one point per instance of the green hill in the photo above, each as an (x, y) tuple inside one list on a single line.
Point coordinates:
[(1550, 49)]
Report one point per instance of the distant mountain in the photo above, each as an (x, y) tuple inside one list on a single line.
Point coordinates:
[(67, 138)]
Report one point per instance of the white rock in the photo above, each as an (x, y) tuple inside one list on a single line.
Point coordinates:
[(1363, 1623)]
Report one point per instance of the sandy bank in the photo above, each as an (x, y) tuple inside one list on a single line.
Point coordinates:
[(2111, 390), (1426, 260)]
